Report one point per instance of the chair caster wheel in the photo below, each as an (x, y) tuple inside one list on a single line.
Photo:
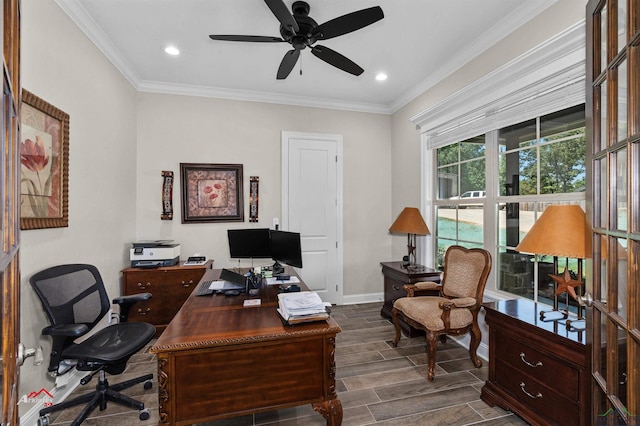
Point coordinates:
[(145, 414), (43, 421), (148, 385)]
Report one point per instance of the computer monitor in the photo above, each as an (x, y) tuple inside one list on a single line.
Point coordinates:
[(250, 243), (285, 248)]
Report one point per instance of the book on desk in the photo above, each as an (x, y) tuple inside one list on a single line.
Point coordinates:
[(302, 307)]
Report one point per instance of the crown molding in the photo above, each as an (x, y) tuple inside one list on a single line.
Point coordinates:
[(79, 15), (91, 29), (252, 96), (498, 32), (557, 63), (84, 21)]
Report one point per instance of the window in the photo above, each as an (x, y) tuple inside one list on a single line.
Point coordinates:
[(548, 78), (541, 162), (532, 164), (461, 169)]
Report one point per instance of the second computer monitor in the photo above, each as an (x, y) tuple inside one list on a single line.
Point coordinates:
[(285, 248)]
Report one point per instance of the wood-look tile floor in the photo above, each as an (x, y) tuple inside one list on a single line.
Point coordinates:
[(377, 384)]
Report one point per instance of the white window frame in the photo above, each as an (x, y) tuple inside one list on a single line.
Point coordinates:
[(546, 79)]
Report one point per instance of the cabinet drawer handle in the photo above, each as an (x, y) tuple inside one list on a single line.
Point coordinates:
[(144, 286), (396, 288), (522, 385), (184, 284), (537, 364), (143, 311)]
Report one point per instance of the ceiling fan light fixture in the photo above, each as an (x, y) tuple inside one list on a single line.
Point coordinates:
[(381, 76), (301, 31), (172, 50)]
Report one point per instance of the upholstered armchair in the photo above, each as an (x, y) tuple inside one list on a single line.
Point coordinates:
[(455, 310)]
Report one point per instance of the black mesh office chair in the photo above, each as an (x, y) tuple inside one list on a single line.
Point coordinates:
[(74, 298)]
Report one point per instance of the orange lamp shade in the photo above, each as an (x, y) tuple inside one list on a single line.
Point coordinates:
[(410, 221), (560, 231)]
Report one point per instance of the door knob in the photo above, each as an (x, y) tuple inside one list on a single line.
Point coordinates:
[(26, 353), (585, 300)]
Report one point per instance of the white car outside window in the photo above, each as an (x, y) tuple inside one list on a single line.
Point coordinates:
[(468, 196)]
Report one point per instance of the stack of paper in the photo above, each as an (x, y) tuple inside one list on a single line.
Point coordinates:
[(304, 306)]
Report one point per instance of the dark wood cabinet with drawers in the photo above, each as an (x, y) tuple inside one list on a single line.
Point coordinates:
[(536, 369), (169, 286), (395, 277)]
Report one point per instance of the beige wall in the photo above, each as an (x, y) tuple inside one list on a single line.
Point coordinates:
[(184, 129), (61, 66)]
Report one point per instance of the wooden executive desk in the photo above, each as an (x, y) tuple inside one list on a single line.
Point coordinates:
[(218, 359)]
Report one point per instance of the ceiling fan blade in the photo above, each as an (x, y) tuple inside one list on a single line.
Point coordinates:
[(347, 23), (279, 9), (261, 39), (336, 59), (287, 64)]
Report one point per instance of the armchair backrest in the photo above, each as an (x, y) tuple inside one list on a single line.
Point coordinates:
[(72, 294), (465, 272)]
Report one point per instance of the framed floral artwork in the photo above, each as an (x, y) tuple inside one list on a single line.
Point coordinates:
[(211, 192), (44, 164)]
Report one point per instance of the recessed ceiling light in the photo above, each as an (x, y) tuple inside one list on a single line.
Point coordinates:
[(172, 50), (381, 76)]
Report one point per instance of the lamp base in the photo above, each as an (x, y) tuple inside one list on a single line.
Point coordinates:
[(576, 325), (553, 315), (415, 268)]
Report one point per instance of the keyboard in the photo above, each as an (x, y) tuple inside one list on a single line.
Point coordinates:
[(204, 290)]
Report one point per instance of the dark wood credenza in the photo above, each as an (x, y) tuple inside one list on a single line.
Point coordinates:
[(537, 369), (395, 277), (169, 287)]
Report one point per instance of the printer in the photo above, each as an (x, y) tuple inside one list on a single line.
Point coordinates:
[(154, 254)]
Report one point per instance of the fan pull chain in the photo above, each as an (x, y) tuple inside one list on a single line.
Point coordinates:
[(301, 64)]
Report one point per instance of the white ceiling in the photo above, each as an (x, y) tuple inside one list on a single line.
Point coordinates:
[(418, 43)]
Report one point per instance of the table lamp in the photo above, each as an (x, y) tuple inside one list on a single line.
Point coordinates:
[(559, 232), (410, 222)]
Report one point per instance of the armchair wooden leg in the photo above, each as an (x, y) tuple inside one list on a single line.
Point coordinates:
[(476, 337), (396, 324), (432, 342)]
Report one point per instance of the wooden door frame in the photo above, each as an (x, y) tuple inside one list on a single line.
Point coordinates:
[(605, 323), (10, 212)]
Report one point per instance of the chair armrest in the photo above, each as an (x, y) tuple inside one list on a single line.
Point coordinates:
[(447, 306), (65, 330), (464, 302), (61, 335), (126, 302), (132, 298), (428, 285), (415, 288)]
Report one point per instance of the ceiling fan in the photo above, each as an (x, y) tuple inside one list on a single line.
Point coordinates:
[(299, 30)]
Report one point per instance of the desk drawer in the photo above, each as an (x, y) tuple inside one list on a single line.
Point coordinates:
[(169, 289), (538, 365), (544, 400)]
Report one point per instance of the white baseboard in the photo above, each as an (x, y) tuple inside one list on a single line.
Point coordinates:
[(354, 299), (72, 378), (483, 349), (30, 418)]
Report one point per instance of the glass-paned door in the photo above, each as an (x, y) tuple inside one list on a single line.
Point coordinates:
[(613, 204)]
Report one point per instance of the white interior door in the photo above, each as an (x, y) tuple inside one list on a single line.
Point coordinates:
[(312, 206)]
